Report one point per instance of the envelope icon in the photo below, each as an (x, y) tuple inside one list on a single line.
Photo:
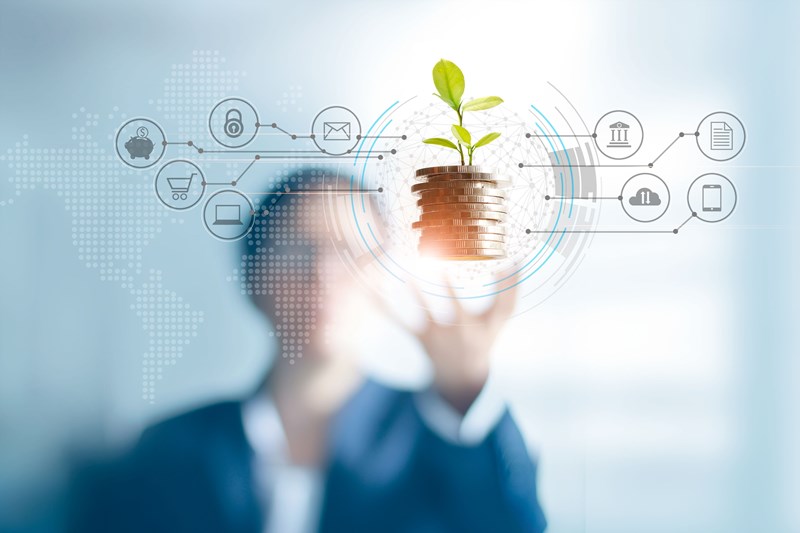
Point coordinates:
[(336, 131)]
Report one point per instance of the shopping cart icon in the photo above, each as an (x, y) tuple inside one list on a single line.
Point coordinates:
[(180, 186)]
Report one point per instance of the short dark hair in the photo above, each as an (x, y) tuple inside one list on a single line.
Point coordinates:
[(274, 213)]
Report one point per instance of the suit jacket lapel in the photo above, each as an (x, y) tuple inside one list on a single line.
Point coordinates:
[(230, 463)]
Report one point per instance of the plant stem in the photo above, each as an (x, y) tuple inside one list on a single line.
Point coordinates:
[(461, 123)]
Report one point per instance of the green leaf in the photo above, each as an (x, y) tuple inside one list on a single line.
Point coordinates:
[(462, 134), (479, 104), (486, 139), (440, 142), (449, 81), (449, 103)]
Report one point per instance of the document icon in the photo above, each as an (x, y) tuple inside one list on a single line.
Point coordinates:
[(336, 131), (721, 136)]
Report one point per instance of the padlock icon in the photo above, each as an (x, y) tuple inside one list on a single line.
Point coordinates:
[(233, 123)]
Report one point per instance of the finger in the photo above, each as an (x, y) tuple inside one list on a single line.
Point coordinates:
[(391, 314), (458, 309), (419, 300), (505, 302)]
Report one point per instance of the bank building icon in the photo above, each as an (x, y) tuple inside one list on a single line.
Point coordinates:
[(619, 135)]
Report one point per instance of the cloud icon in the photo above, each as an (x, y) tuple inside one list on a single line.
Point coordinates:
[(645, 197)]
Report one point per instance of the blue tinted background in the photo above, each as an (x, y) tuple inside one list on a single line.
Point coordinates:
[(659, 386)]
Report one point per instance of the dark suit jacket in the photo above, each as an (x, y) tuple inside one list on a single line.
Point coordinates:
[(386, 472)]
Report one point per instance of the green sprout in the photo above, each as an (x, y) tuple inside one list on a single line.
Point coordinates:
[(449, 81)]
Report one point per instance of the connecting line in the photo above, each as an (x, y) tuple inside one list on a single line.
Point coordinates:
[(262, 151), (235, 182), (323, 157), (680, 135), (286, 153), (529, 135), (253, 162), (321, 154), (602, 231), (548, 197), (322, 191), (648, 165), (293, 136), (185, 143), (620, 231), (693, 215), (523, 165)]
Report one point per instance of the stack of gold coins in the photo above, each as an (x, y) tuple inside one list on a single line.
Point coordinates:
[(463, 211)]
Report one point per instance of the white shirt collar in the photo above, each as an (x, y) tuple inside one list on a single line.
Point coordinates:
[(264, 430), (291, 494)]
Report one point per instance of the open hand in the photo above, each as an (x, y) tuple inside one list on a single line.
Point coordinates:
[(459, 351)]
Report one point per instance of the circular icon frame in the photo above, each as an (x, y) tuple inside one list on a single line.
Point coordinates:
[(256, 124), (355, 139), (166, 202), (697, 213), (664, 209), (700, 147), (161, 144), (600, 148), (249, 226)]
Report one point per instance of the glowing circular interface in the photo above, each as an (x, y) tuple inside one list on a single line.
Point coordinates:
[(544, 156)]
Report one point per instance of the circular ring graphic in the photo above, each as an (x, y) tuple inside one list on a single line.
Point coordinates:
[(336, 130), (376, 236), (238, 120), (712, 197), (619, 135), (725, 136), (645, 197), (141, 147), (232, 216), (177, 188)]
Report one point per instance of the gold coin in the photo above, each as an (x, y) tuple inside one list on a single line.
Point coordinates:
[(500, 231), (432, 208), (486, 215), (462, 199), (461, 191), (460, 238), (453, 184), (449, 169), (501, 183), (468, 257), (462, 245), (463, 232), (445, 222), (494, 253), (458, 176), (463, 215), (446, 176)]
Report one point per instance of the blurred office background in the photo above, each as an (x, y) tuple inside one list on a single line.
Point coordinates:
[(659, 386)]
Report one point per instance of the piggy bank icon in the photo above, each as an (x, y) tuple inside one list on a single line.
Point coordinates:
[(140, 145)]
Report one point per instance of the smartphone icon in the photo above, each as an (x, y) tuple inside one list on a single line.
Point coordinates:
[(712, 197)]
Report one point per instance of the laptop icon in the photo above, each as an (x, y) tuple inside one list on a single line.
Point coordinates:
[(227, 215)]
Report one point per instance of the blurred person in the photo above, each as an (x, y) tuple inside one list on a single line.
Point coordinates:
[(317, 447)]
